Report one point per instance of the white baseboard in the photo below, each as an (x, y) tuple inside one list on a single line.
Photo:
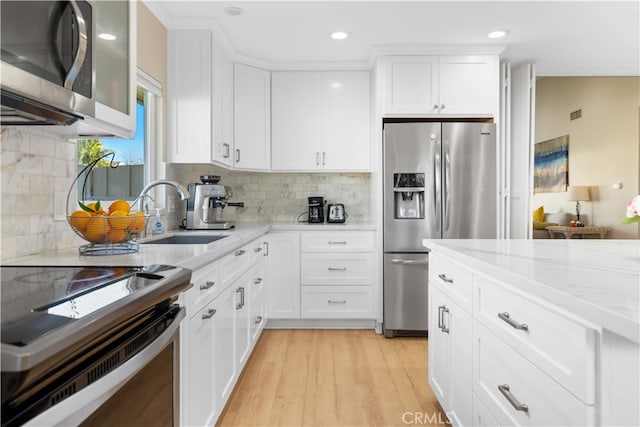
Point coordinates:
[(321, 324)]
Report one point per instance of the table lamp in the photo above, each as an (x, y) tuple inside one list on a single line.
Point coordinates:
[(577, 193)]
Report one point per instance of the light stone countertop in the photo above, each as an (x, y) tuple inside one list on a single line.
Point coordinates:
[(304, 226), (596, 280), (188, 256)]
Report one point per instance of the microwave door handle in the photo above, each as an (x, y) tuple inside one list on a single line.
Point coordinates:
[(81, 52)]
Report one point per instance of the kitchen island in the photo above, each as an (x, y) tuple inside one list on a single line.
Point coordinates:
[(535, 332)]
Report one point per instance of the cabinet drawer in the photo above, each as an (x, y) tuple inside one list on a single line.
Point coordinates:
[(206, 283), (481, 415), (257, 249), (456, 279), (337, 302), (337, 242), (562, 348), (504, 380), (233, 264), (338, 269)]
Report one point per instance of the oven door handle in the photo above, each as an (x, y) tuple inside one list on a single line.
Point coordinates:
[(90, 398)]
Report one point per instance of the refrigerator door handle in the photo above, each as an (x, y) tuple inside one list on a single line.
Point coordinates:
[(437, 173), (447, 183)]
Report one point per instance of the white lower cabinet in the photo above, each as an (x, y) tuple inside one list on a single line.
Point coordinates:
[(218, 338), (342, 302), (481, 415), (449, 347), (284, 275)]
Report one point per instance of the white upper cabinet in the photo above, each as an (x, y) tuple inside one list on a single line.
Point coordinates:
[(252, 118), (431, 85), (222, 106), (189, 105), (320, 121)]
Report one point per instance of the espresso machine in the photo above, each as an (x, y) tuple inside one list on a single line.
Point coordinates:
[(205, 206)]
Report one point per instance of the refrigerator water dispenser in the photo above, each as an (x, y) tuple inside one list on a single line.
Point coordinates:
[(408, 195)]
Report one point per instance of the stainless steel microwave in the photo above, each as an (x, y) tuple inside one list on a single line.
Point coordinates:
[(47, 74)]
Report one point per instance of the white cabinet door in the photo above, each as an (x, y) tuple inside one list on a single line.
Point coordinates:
[(224, 344), (202, 403), (258, 295), (222, 106), (293, 116), (252, 118), (438, 347), (469, 84), (284, 275), (189, 97), (411, 85), (342, 120), (243, 330), (460, 326)]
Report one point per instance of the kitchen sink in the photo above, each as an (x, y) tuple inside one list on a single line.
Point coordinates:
[(184, 240)]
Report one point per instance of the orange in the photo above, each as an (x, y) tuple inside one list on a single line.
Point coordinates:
[(116, 235), (79, 220), (119, 220), (96, 229), (119, 205), (138, 222), (92, 206)]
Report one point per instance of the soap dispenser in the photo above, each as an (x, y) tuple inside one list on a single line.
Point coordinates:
[(157, 226)]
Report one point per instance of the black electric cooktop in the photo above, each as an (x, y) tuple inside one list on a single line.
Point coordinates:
[(39, 299)]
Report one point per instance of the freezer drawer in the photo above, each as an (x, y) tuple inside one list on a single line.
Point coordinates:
[(406, 279)]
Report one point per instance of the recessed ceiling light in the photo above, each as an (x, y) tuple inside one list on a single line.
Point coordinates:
[(233, 11), (339, 35), (496, 34), (107, 36)]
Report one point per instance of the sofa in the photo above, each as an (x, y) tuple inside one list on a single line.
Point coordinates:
[(559, 218)]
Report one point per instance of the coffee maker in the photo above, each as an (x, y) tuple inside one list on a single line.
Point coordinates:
[(204, 207), (316, 207)]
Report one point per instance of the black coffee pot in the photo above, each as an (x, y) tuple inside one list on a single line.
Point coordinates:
[(316, 207)]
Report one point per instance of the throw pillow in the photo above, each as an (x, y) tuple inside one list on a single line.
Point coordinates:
[(538, 214)]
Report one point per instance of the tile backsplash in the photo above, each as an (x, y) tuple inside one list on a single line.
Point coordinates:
[(281, 197), (38, 169)]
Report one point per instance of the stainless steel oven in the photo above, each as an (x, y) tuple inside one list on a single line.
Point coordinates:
[(47, 64), (91, 345)]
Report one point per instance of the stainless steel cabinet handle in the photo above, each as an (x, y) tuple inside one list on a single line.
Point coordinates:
[(324, 155), (317, 158), (440, 310), (81, 52), (341, 301), (257, 280), (435, 106), (258, 320), (409, 262), (337, 243), (505, 316), (266, 248), (442, 106), (209, 314), (445, 278), (445, 328), (240, 290), (207, 285), (337, 268), (506, 392), (240, 252), (257, 249), (227, 152), (237, 155)]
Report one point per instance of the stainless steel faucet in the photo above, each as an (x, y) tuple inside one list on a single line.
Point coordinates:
[(144, 207)]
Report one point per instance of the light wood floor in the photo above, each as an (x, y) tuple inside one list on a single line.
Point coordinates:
[(334, 378)]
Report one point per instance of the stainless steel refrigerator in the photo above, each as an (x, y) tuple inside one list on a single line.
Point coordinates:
[(439, 182)]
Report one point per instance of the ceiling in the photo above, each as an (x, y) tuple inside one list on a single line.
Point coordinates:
[(559, 37)]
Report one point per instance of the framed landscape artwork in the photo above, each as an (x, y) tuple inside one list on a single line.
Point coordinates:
[(551, 165)]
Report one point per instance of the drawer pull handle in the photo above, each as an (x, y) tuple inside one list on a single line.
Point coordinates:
[(337, 269), (257, 280), (341, 301), (207, 285), (445, 278), (505, 316), (445, 328), (240, 290), (258, 320), (506, 392), (240, 252), (409, 262), (210, 313), (440, 310), (257, 250), (338, 243)]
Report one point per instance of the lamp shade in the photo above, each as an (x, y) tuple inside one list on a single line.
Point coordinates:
[(578, 193)]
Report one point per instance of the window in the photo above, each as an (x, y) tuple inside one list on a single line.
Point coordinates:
[(135, 158)]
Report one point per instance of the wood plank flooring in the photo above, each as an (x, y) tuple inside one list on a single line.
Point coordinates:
[(334, 378)]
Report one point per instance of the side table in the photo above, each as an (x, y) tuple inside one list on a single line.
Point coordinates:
[(578, 231)]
